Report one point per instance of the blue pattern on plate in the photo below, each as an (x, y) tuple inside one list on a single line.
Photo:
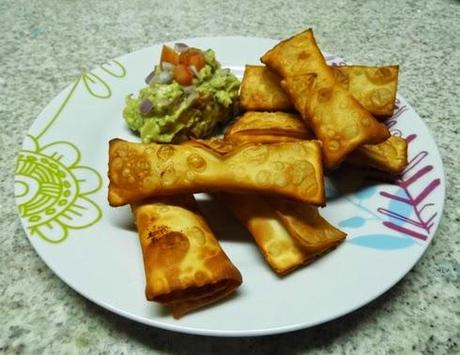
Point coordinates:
[(382, 241)]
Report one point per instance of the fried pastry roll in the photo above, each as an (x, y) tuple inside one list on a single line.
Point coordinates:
[(261, 91), (185, 267), (297, 55), (337, 120), (270, 127), (335, 117), (138, 171), (373, 87), (389, 156), (283, 250), (305, 225), (218, 145)]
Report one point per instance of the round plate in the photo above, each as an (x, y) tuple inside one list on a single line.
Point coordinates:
[(61, 192)]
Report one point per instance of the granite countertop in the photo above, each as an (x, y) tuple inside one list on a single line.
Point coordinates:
[(44, 45)]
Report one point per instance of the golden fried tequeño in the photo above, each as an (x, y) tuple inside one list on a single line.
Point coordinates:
[(292, 169), (389, 156), (373, 87), (335, 117), (185, 267), (271, 227), (306, 226), (267, 127)]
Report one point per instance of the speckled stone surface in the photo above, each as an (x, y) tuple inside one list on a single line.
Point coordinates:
[(45, 44)]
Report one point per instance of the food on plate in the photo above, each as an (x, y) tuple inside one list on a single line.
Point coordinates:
[(335, 117), (389, 156), (306, 226), (267, 127), (267, 168), (296, 55), (287, 237), (271, 127), (187, 95), (291, 169), (261, 90), (218, 145), (373, 87), (254, 123), (185, 267), (337, 120)]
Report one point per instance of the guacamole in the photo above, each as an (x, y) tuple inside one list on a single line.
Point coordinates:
[(167, 110)]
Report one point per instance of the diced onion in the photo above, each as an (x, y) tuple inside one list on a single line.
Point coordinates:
[(146, 107), (164, 77), (150, 77), (167, 66), (194, 70), (180, 47)]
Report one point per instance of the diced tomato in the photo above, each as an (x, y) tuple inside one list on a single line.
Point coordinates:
[(193, 56), (183, 75), (169, 55)]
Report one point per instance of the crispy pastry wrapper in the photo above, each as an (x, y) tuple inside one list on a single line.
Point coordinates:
[(185, 267), (138, 171), (297, 55), (218, 145), (270, 127), (305, 225), (261, 91), (373, 87), (335, 117), (337, 120), (283, 250), (389, 156)]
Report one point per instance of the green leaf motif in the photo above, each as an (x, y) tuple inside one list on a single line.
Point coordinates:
[(96, 86), (108, 69)]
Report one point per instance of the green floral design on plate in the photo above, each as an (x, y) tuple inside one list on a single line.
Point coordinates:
[(52, 191), (52, 188)]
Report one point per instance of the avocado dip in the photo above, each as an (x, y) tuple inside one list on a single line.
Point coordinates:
[(187, 95)]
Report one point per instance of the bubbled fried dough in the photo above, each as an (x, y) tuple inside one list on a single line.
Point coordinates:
[(281, 252), (337, 120), (335, 117), (217, 145), (261, 91), (389, 156), (297, 55), (373, 87), (305, 225), (271, 123), (267, 127), (271, 226), (138, 171), (185, 267)]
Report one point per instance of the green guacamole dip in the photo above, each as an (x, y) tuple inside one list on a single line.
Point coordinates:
[(176, 113)]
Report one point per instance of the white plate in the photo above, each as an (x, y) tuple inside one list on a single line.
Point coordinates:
[(61, 189)]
